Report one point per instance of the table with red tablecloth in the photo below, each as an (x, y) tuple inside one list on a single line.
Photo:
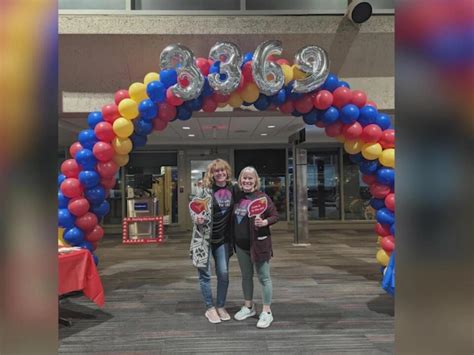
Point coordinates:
[(77, 272)]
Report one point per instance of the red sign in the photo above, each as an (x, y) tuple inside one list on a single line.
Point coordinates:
[(198, 205), (257, 207)]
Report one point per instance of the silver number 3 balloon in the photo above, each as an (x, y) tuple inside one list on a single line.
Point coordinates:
[(181, 57), (267, 75), (230, 59), (313, 60)]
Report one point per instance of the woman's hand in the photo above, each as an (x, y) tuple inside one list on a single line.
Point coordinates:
[(199, 219), (259, 222)]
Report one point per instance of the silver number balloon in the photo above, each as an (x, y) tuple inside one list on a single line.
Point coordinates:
[(313, 60), (182, 59), (263, 68), (230, 59)]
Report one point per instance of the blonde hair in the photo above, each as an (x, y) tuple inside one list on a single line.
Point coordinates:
[(216, 164), (250, 170)]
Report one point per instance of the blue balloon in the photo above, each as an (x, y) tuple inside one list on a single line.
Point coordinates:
[(215, 68), (331, 83), (148, 110), (262, 102), (87, 138), (279, 98), (86, 159), (156, 91), (385, 176), (96, 259), (368, 115), (385, 216), (143, 127), (89, 178), (95, 195), (138, 140), (74, 236), (383, 121), (368, 167), (206, 89), (94, 118), (290, 94), (344, 84), (356, 158), (296, 113), (62, 200), (102, 209), (311, 117), (168, 77), (392, 229), (247, 57), (87, 245), (183, 113), (65, 218), (377, 203), (61, 178), (349, 114), (194, 104), (330, 115)]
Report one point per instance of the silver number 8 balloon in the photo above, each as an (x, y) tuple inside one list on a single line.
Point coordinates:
[(313, 60), (230, 59), (183, 58), (263, 68)]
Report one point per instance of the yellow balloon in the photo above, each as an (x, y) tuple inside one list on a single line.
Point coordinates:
[(250, 93), (137, 92), (235, 100), (128, 108), (341, 139), (387, 158), (371, 151), (121, 160), (353, 147), (287, 72), (298, 74), (382, 257), (123, 128), (152, 76), (122, 146), (61, 241)]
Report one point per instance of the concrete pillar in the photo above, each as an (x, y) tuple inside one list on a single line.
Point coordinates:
[(300, 196)]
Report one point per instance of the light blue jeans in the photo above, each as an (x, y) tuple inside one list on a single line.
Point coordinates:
[(221, 259)]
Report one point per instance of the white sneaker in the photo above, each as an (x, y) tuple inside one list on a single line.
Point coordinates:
[(265, 320), (212, 316), (245, 313)]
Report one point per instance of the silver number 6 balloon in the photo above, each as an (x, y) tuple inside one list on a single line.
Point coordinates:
[(263, 68), (181, 57), (230, 58), (313, 60)]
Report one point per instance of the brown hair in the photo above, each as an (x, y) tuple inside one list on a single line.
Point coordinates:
[(216, 165), (251, 170)]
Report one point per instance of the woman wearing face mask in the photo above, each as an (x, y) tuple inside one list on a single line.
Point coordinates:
[(212, 235), (254, 246)]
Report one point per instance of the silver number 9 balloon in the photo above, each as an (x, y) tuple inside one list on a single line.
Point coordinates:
[(263, 68), (181, 57), (313, 60), (230, 59)]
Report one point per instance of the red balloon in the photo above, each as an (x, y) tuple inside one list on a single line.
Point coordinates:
[(371, 103), (107, 169), (159, 125), (104, 131), (287, 107), (371, 133), (220, 97), (334, 129), (74, 148), (87, 222), (271, 58), (203, 65), (320, 124), (208, 104), (70, 168), (108, 183), (78, 206), (382, 229), (387, 140), (166, 112), (388, 243), (103, 151), (378, 190), (323, 100), (304, 105), (183, 80), (172, 99), (352, 131), (369, 179), (95, 235), (282, 61), (342, 96), (359, 98), (120, 95), (110, 113), (247, 72), (390, 201), (71, 187)]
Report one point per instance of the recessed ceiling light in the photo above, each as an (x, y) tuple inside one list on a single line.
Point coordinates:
[(191, 135), (186, 127), (271, 126), (263, 134)]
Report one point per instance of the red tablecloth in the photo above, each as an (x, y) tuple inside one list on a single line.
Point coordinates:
[(77, 272)]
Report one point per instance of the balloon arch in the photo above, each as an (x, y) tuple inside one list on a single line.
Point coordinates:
[(185, 85)]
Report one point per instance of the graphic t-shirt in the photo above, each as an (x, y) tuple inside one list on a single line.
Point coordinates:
[(241, 222), (221, 209)]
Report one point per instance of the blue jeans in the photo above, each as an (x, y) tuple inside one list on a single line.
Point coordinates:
[(221, 259)]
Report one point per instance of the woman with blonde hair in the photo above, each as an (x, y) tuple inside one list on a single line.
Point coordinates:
[(211, 212), (253, 243)]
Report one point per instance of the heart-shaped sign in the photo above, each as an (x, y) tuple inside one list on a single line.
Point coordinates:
[(198, 205), (257, 206)]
